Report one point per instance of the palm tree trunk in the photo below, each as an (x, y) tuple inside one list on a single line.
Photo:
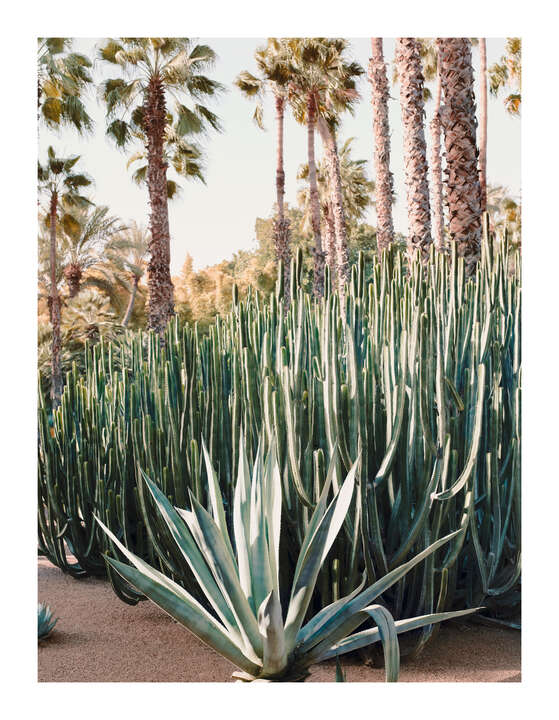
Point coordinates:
[(330, 232), (458, 118), (483, 124), (410, 73), (56, 370), (130, 307), (437, 171), (318, 279), (337, 203), (384, 189), (281, 224), (161, 302)]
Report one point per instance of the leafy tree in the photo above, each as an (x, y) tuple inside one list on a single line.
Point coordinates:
[(508, 74), (62, 77), (273, 66), (61, 187), (505, 211), (154, 71)]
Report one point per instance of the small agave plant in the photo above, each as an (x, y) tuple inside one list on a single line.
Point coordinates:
[(240, 578), (45, 621)]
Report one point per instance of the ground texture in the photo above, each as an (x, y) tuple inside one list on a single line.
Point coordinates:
[(98, 638)]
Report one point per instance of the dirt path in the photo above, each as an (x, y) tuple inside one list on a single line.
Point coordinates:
[(98, 638)]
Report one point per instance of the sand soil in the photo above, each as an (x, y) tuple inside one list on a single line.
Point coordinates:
[(98, 638)]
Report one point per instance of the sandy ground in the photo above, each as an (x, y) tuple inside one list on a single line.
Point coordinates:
[(98, 638)]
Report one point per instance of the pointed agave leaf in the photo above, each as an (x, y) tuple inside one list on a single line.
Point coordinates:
[(270, 623), (314, 555), (273, 494), (178, 603), (209, 539), (370, 636), (389, 639), (241, 522), (189, 549), (216, 500), (350, 616)]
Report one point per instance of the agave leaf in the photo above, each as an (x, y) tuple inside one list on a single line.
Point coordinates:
[(389, 639), (372, 635), (189, 549), (273, 494), (176, 601), (216, 500), (314, 556), (270, 623), (211, 543), (241, 523), (260, 570)]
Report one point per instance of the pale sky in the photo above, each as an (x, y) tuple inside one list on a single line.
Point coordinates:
[(212, 221)]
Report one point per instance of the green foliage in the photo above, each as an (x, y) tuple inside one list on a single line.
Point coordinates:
[(45, 620), (416, 372), (243, 585), (508, 74)]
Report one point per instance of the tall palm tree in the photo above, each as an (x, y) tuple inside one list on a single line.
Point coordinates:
[(483, 123), (85, 235), (322, 84), (408, 61), (357, 191), (384, 183), (62, 77), (61, 187), (154, 70), (273, 67), (458, 118)]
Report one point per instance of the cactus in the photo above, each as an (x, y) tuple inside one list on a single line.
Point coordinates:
[(45, 621), (415, 369)]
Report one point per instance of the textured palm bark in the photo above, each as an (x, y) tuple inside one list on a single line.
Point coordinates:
[(281, 223), (336, 202), (483, 124), (130, 308), (408, 60), (73, 274), (330, 233), (161, 302), (437, 171), (56, 370), (384, 183), (318, 279), (458, 118)]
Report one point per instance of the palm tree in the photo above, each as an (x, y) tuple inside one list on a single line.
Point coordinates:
[(357, 191), (62, 76), (85, 234), (61, 187), (508, 73), (272, 63), (127, 254), (156, 69), (322, 84), (458, 118), (408, 61), (384, 184), (504, 211), (483, 123)]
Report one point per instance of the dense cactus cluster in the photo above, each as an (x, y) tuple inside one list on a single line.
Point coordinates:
[(415, 372)]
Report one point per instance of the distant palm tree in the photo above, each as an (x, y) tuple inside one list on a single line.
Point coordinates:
[(62, 77), (483, 123), (357, 193), (272, 63), (408, 61), (155, 69), (384, 184), (322, 85), (504, 211), (85, 234), (61, 187), (508, 74), (458, 118)]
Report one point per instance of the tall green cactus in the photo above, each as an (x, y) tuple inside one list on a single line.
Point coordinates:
[(416, 371)]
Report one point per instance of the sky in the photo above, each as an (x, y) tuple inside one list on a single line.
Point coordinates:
[(211, 222)]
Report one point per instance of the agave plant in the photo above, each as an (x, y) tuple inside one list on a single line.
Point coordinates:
[(242, 586), (45, 621)]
